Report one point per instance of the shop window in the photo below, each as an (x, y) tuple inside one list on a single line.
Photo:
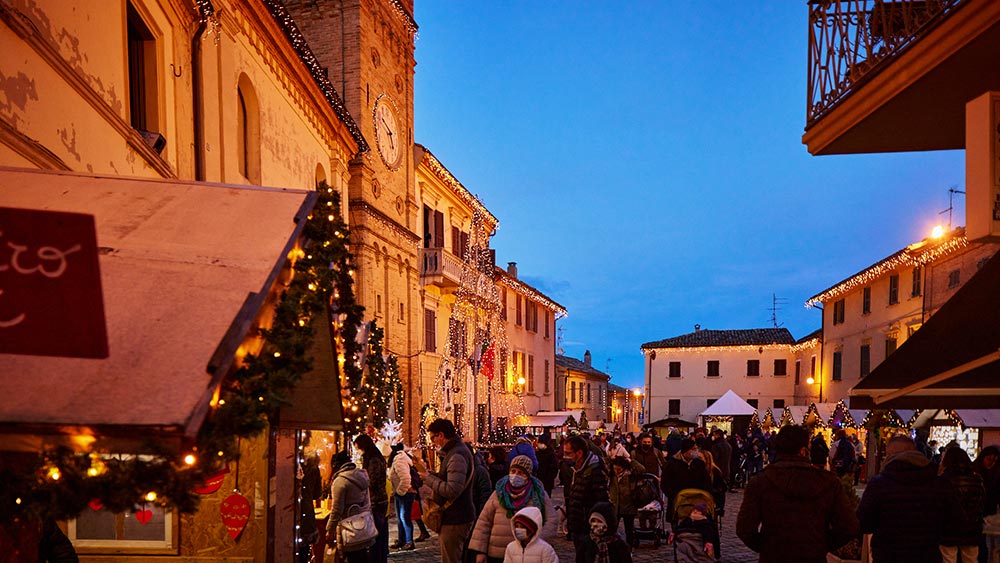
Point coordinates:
[(753, 368), (713, 368)]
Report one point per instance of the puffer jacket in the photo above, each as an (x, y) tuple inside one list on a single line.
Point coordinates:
[(622, 490), (537, 550), (587, 487), (906, 507), (399, 474), (794, 512), (348, 488), (453, 481), (493, 530), (967, 487)]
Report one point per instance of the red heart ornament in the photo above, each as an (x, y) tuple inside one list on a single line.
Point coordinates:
[(212, 483), (96, 504), (235, 511), (144, 516)]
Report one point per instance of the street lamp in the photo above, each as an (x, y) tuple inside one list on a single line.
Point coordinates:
[(638, 403), (520, 383)]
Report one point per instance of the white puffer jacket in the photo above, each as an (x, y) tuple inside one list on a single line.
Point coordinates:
[(537, 550), (399, 474), (493, 532)]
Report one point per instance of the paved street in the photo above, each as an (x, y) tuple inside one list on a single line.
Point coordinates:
[(733, 550)]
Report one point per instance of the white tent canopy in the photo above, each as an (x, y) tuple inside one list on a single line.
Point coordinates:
[(729, 404)]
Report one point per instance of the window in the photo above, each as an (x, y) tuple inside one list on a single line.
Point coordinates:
[(456, 242), (753, 368), (503, 309), (866, 360), (779, 404), (674, 407), (954, 278), (248, 131), (517, 316), (836, 366), (780, 367), (752, 402), (915, 291), (713, 368), (798, 371), (524, 367), (546, 323), (142, 87), (430, 330), (894, 289), (710, 402), (866, 300), (402, 312), (588, 393), (547, 387), (378, 304), (812, 366), (890, 345), (531, 373), (838, 312), (531, 315), (675, 369), (572, 387)]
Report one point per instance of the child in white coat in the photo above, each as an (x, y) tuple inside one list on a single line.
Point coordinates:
[(527, 546)]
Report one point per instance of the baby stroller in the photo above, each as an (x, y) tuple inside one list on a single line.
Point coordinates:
[(652, 510), (689, 542)]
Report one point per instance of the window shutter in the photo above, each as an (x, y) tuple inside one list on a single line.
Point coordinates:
[(438, 229), (430, 325), (456, 242)]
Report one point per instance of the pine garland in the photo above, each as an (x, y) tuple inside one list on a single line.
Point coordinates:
[(61, 483), (382, 383)]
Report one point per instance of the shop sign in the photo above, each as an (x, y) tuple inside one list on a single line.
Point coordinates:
[(51, 302)]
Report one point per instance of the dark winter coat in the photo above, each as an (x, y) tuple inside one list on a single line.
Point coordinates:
[(587, 487), (818, 450), (618, 550), (548, 467), (678, 475), (481, 484), (652, 460), (906, 507), (450, 483), (794, 512), (498, 470), (622, 490), (967, 488), (722, 454), (374, 464)]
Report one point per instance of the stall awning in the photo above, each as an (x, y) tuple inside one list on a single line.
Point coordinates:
[(548, 419), (729, 404), (672, 422), (952, 361), (185, 268)]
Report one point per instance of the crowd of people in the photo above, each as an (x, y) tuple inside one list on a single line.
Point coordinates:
[(493, 505)]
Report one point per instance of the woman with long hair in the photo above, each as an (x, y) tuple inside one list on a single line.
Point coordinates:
[(963, 533)]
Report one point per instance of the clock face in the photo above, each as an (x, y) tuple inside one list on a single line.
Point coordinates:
[(387, 136)]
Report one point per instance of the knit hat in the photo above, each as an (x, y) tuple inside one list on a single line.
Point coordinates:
[(525, 522), (523, 463), (701, 507), (687, 444)]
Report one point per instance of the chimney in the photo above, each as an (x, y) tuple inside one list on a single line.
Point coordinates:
[(512, 269), (586, 358), (697, 328)]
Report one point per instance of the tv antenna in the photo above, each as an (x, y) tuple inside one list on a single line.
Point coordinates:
[(951, 202), (774, 308)]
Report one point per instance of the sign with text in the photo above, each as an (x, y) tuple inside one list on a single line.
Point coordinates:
[(51, 302), (982, 167)]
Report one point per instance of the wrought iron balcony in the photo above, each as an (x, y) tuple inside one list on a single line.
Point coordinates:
[(851, 40)]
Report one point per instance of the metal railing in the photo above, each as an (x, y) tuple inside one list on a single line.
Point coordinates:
[(850, 39)]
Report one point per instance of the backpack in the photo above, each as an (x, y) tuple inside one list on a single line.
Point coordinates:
[(843, 460), (415, 481)]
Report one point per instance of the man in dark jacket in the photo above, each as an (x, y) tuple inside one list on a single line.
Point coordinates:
[(682, 472), (818, 450), (649, 456), (587, 487), (906, 507), (453, 483), (792, 511), (722, 452), (548, 466)]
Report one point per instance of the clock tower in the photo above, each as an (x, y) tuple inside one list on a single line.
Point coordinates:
[(366, 48)]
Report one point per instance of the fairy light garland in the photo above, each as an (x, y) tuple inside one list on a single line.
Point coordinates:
[(916, 255), (517, 285), (457, 189), (60, 483)]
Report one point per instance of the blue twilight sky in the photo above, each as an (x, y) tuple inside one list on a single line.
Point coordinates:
[(646, 165)]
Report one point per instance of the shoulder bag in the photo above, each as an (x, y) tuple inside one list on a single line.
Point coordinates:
[(434, 513), (357, 530)]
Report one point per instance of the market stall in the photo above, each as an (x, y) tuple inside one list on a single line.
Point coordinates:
[(729, 413), (964, 426)]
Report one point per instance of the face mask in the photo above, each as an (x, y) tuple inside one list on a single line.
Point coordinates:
[(647, 447), (598, 528), (517, 481), (521, 534)]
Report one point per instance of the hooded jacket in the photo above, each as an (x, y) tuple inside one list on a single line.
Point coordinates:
[(588, 486), (794, 512), (493, 529), (906, 507), (399, 474), (536, 550), (348, 488), (618, 550)]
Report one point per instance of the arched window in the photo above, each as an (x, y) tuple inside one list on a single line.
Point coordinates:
[(320, 175), (247, 131)]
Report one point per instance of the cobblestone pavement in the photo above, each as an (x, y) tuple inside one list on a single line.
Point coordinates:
[(733, 550)]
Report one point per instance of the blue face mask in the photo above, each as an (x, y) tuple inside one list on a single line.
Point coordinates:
[(518, 481)]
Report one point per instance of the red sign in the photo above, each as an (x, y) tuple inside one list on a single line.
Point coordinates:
[(50, 285)]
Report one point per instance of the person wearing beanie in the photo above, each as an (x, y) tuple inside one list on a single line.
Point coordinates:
[(524, 447), (514, 492), (685, 470), (605, 545), (527, 546)]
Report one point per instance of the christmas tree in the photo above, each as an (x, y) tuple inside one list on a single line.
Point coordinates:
[(473, 387)]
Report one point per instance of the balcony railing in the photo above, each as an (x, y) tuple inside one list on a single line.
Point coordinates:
[(440, 265), (850, 39)]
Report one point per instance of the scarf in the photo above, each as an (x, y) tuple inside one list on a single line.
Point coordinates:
[(602, 547), (512, 500)]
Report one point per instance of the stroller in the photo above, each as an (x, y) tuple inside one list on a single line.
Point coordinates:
[(688, 543), (652, 510)]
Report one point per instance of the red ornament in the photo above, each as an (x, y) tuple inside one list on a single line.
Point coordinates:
[(144, 516), (96, 504), (235, 512), (212, 483)]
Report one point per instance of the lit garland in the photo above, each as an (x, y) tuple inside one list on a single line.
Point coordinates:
[(61, 483), (385, 222), (558, 311), (812, 410), (754, 420), (786, 418), (737, 348), (382, 388), (917, 254), (805, 345), (457, 189), (880, 417), (845, 415)]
